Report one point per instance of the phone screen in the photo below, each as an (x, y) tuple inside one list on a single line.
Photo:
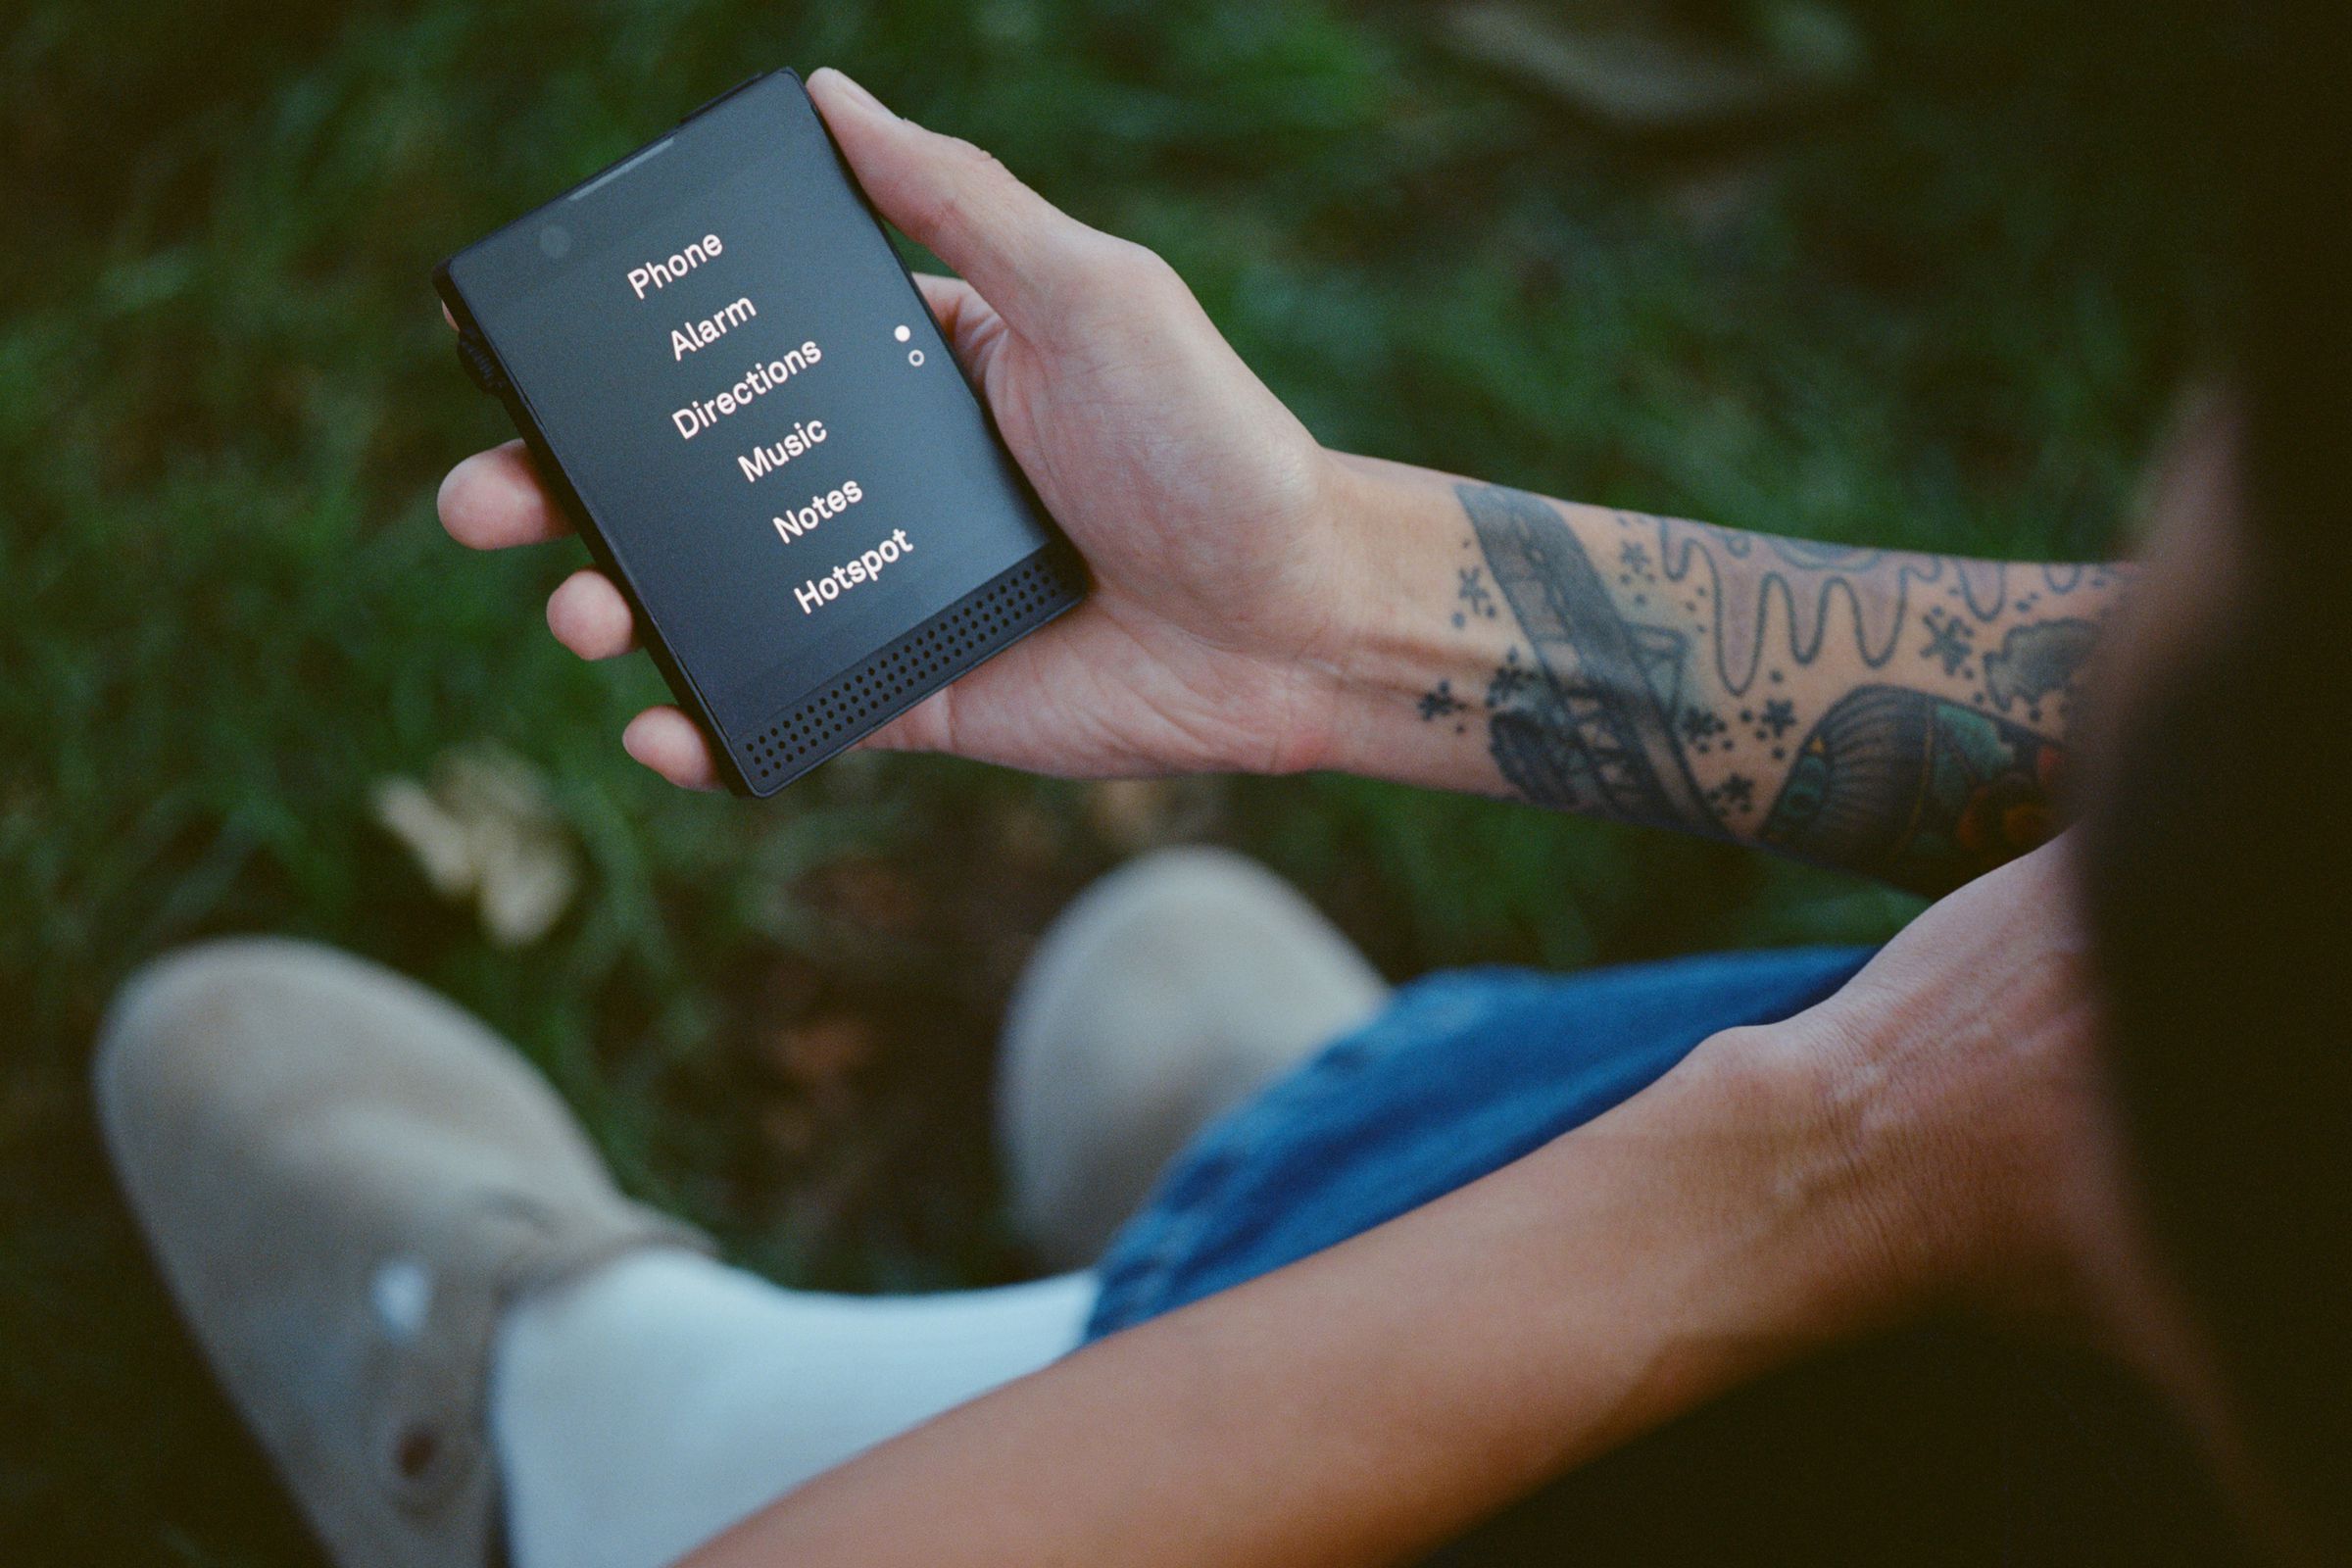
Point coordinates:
[(720, 349)]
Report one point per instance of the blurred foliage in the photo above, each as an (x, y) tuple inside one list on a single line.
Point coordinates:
[(1947, 310)]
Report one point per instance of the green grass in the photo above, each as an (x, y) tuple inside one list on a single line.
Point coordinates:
[(1949, 313)]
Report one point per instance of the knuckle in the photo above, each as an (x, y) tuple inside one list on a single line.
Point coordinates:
[(1133, 268), (1117, 286)]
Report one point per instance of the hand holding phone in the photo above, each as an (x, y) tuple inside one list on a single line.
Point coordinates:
[(730, 384), (1218, 533)]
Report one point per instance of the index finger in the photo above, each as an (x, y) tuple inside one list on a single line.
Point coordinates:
[(1018, 249), (494, 500)]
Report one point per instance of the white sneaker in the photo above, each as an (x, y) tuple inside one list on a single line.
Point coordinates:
[(345, 1181), (1164, 995)]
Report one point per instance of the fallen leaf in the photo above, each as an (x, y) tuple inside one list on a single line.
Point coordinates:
[(486, 831)]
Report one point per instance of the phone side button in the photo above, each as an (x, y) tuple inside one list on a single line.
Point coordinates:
[(481, 365)]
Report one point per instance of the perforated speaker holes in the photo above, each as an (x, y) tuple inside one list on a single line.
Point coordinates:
[(997, 613)]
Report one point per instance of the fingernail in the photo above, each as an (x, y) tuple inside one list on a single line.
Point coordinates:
[(856, 93)]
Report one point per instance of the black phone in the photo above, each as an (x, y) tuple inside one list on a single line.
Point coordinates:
[(728, 379)]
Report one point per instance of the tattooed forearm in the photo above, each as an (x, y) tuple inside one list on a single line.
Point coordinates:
[(1892, 713)]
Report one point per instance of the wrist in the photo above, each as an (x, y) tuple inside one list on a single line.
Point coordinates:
[(1277, 680), (1740, 1232), (1855, 1227), (1386, 645)]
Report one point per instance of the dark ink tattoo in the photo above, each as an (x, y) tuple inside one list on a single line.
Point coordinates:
[(1611, 702), (1586, 731), (1700, 725), (1473, 592), (2037, 659), (1950, 641), (1510, 678), (1921, 792)]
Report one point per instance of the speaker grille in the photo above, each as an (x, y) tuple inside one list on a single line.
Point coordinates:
[(867, 695)]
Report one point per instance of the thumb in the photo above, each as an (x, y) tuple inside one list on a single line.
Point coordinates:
[(1009, 242)]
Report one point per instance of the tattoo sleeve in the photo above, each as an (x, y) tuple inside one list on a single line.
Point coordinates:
[(1894, 713)]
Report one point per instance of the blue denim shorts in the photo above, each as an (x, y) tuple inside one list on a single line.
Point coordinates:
[(1462, 1073)]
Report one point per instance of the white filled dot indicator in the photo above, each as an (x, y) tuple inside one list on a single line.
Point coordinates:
[(901, 333)]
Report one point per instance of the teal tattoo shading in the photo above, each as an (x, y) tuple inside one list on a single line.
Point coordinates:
[(1915, 789)]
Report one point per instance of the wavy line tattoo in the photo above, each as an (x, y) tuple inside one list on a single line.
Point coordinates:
[(1806, 581)]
